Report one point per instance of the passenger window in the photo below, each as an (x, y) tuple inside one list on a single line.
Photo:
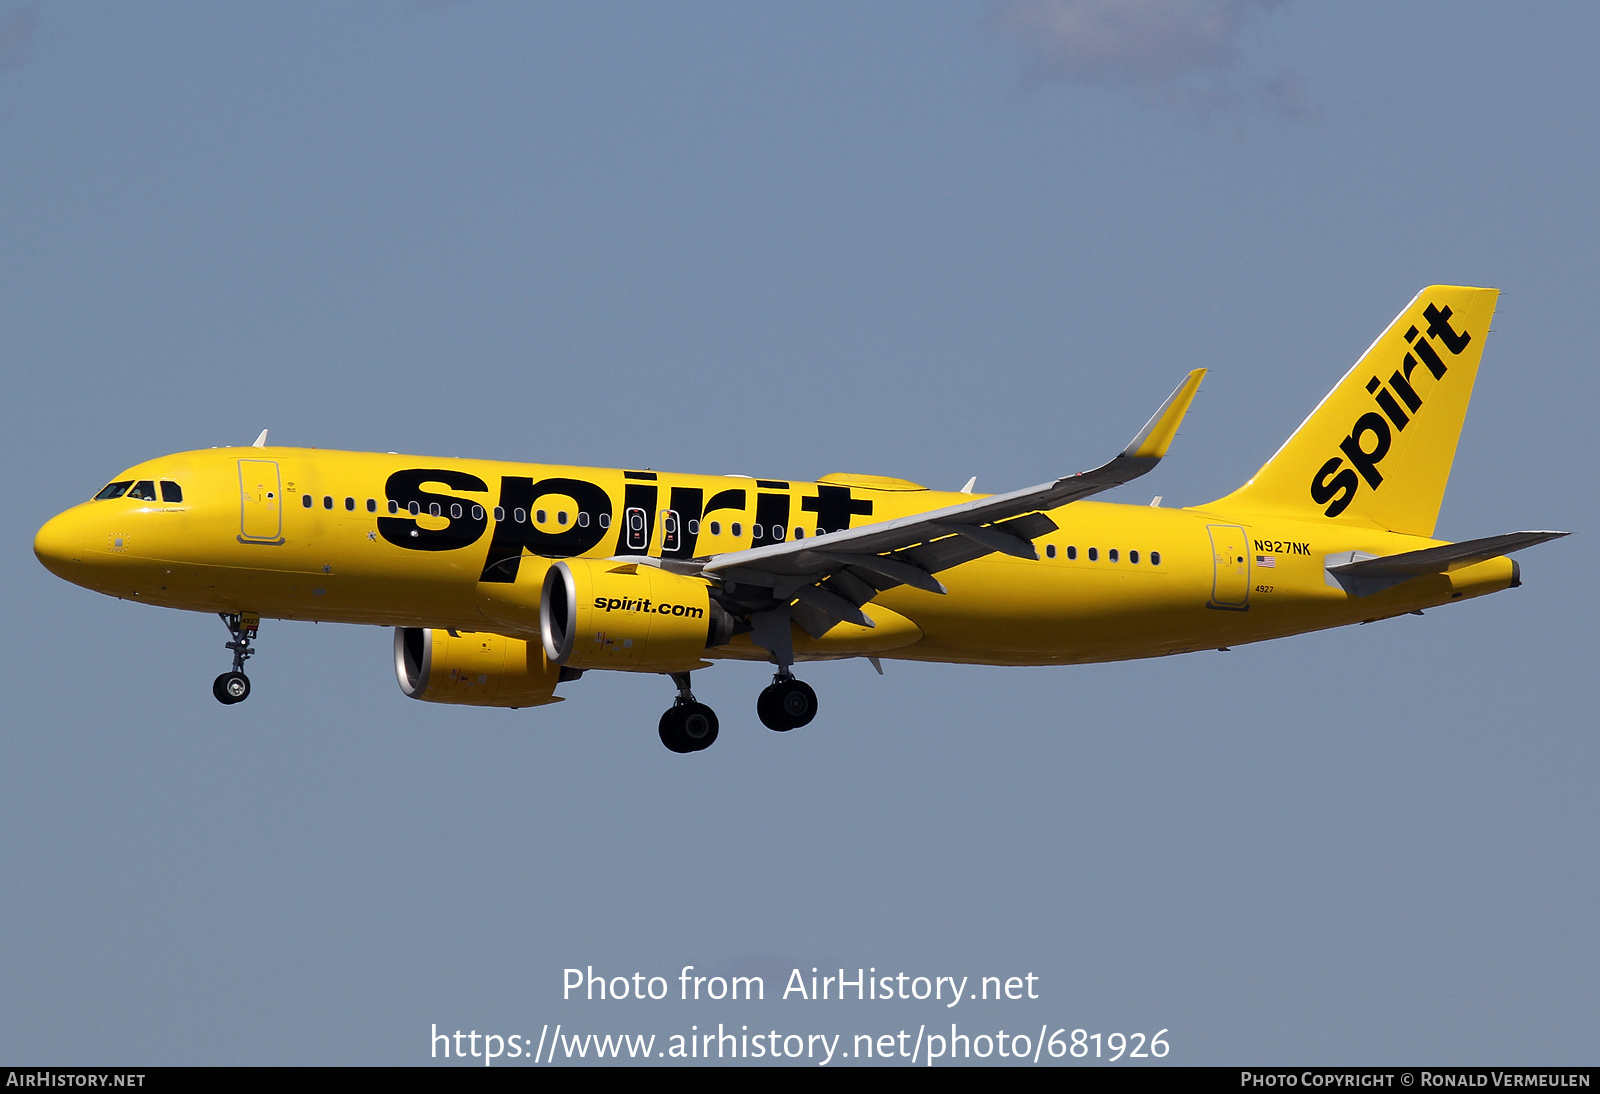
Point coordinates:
[(694, 528), (1094, 554), (755, 531), (327, 502), (477, 512), (1155, 558), (1050, 550), (520, 515), (113, 490), (372, 505), (1133, 557), (414, 509), (307, 500), (605, 520), (1072, 553), (736, 528), (539, 517), (499, 513), (799, 533), (777, 532), (394, 507), (144, 490), (171, 491), (1112, 554), (561, 519), (637, 535), (349, 505), (435, 510), (716, 527), (455, 511), (583, 520)]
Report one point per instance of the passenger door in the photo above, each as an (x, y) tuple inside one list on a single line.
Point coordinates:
[(260, 502), (1230, 560)]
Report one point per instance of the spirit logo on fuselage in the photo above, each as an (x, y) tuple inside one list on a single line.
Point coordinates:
[(1370, 438), (636, 530)]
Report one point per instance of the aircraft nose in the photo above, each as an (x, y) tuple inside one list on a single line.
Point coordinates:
[(59, 544)]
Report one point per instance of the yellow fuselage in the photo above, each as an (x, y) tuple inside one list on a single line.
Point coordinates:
[(329, 536)]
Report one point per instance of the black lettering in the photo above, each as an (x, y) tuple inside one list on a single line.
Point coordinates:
[(1407, 392), (1339, 490), (725, 499), (1362, 460), (834, 508), (638, 502), (1429, 358), (772, 513), (405, 488), (1386, 401), (686, 503), (1439, 327), (512, 538)]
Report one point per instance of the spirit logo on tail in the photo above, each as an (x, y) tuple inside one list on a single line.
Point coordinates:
[(1337, 488)]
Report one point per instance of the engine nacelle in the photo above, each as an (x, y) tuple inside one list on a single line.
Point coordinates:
[(605, 614), (475, 668)]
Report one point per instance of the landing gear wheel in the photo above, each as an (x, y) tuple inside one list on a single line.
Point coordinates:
[(234, 687), (688, 727), (231, 688), (786, 704)]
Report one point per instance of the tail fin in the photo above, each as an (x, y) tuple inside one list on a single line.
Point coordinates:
[(1378, 448)]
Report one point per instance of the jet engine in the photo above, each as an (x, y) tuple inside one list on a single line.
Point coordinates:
[(474, 668), (606, 614)]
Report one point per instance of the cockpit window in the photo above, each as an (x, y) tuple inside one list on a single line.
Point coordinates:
[(171, 491), (114, 490), (144, 490)]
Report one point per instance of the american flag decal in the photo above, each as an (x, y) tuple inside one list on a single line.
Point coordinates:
[(1267, 562)]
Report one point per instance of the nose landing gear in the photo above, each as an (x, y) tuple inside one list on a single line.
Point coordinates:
[(234, 687), (786, 703), (688, 725)]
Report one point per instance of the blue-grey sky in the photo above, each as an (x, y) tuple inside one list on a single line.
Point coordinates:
[(925, 240)]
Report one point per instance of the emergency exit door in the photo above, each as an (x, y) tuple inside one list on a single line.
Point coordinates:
[(1230, 560), (260, 502)]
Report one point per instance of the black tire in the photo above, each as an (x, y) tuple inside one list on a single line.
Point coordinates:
[(689, 727), (767, 710), (231, 688), (786, 704)]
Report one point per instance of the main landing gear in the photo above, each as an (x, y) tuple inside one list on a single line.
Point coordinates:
[(234, 687), (786, 703), (687, 726), (690, 725)]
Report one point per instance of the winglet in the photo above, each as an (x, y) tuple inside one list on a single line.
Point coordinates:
[(1156, 436), (261, 441)]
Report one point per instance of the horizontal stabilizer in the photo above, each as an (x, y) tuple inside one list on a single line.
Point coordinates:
[(1439, 560)]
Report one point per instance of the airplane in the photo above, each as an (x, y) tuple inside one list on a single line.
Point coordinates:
[(505, 581)]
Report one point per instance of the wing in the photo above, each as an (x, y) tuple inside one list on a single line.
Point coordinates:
[(827, 578)]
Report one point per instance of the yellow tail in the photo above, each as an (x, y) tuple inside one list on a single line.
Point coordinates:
[(1377, 450)]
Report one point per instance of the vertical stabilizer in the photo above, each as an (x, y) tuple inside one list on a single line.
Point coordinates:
[(1377, 450)]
